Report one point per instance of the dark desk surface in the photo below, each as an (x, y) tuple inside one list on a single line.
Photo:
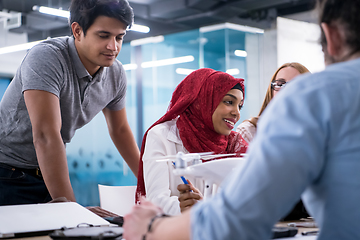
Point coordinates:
[(35, 238)]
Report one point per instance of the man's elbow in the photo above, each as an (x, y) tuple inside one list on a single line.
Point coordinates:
[(43, 138)]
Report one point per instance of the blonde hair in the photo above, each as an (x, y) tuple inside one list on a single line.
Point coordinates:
[(269, 93)]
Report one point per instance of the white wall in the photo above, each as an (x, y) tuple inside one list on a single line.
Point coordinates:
[(298, 41), (291, 39), (11, 61), (269, 61), (253, 45), (262, 55)]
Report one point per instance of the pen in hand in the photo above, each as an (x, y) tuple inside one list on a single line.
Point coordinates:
[(183, 178)]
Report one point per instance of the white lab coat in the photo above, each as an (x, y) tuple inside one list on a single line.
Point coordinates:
[(247, 131), (160, 182)]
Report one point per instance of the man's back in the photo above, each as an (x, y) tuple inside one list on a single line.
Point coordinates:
[(334, 194), (309, 138)]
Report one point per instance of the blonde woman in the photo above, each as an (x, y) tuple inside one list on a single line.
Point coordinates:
[(283, 75)]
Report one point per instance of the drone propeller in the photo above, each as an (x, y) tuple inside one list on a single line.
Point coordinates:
[(191, 156), (187, 156), (209, 157)]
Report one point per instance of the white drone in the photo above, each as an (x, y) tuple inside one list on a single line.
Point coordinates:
[(213, 172)]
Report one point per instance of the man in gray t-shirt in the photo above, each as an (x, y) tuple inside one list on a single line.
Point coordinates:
[(60, 86)]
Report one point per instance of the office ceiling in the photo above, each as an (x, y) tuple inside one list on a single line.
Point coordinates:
[(162, 16)]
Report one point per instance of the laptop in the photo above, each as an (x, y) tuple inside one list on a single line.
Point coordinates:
[(38, 219)]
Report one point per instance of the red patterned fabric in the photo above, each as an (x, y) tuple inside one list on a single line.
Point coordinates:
[(194, 102)]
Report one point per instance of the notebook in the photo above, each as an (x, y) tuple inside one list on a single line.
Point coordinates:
[(30, 219)]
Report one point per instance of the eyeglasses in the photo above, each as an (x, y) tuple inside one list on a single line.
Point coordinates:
[(276, 85)]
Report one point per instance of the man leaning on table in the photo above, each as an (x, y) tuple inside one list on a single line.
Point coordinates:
[(308, 143), (59, 87)]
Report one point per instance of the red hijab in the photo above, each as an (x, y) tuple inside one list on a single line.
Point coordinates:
[(194, 102)]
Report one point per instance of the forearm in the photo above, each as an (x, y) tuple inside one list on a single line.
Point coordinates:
[(45, 116), (121, 135), (127, 147), (143, 223), (175, 228), (51, 156)]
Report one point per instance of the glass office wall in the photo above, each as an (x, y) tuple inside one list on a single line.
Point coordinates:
[(222, 47), (158, 82)]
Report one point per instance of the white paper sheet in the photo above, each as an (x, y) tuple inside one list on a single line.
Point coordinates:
[(28, 218)]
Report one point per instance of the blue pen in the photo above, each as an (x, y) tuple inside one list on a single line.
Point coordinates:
[(182, 178)]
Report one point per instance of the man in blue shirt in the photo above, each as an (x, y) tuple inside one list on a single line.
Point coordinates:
[(308, 144)]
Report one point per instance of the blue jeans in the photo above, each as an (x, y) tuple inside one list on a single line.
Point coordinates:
[(19, 187)]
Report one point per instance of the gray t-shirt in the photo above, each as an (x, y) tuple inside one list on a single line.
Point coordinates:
[(54, 66)]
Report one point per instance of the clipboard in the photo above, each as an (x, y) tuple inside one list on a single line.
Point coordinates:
[(40, 219)]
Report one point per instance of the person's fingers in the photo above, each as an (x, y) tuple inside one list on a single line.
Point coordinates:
[(134, 226), (145, 209), (190, 183), (182, 188), (144, 201), (187, 204), (187, 199), (192, 187), (189, 195)]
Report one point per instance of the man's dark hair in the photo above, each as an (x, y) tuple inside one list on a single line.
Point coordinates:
[(347, 14), (84, 12)]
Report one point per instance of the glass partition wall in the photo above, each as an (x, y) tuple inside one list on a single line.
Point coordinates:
[(154, 67)]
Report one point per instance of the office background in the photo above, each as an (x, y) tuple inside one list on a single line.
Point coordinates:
[(251, 53)]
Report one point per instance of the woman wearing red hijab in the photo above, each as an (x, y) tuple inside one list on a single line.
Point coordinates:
[(203, 111)]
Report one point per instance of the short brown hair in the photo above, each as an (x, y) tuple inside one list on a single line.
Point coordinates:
[(343, 12), (84, 12)]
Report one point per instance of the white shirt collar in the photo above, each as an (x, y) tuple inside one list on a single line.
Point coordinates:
[(173, 134)]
